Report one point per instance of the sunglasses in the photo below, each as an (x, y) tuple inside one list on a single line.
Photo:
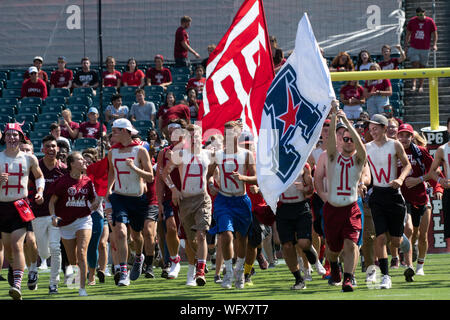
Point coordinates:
[(358, 126), (347, 139)]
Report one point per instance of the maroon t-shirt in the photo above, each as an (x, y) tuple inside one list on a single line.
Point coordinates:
[(421, 31), (61, 79), (132, 78), (374, 85), (41, 75), (73, 196), (50, 177), (196, 84), (111, 79), (180, 36), (65, 133), (391, 64), (90, 130), (30, 89), (350, 91), (151, 190), (159, 76), (179, 111)]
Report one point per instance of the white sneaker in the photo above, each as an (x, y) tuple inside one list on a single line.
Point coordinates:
[(308, 276), (319, 268), (371, 277), (419, 270), (386, 282), (43, 265), (174, 270), (227, 280), (82, 292), (108, 272), (240, 280), (191, 276)]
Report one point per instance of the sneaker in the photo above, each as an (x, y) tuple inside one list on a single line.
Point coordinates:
[(124, 280), (227, 280), (239, 279), (191, 276), (299, 285), (82, 292), (200, 278), (149, 272), (107, 273), (395, 263), (409, 274), (68, 274), (347, 285), (262, 262), (386, 282), (101, 276), (15, 293), (371, 276), (136, 270), (308, 276), (217, 279), (335, 278), (174, 270), (43, 265), (165, 272), (419, 269), (53, 289), (319, 268), (353, 280), (117, 277), (248, 279), (271, 265), (32, 280)]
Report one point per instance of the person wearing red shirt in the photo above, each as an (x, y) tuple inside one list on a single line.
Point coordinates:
[(111, 77), (69, 128), (133, 76), (159, 75), (377, 93), (352, 96), (34, 87), (62, 77), (37, 62), (389, 63), (182, 46), (198, 82), (178, 111), (419, 31), (91, 128)]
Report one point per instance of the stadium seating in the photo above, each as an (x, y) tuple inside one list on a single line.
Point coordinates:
[(52, 108), (83, 143), (16, 75), (83, 91), (43, 126), (14, 84), (130, 90), (49, 117), (29, 109), (31, 101), (63, 92), (4, 118), (8, 110), (9, 101), (11, 93), (86, 100), (150, 89)]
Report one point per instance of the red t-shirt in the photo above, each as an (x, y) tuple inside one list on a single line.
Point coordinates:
[(133, 78), (90, 130), (391, 64), (61, 79), (98, 173), (180, 36), (421, 31), (30, 89), (65, 132), (179, 111), (159, 76), (350, 91), (111, 79), (374, 85), (151, 190), (72, 198), (196, 83)]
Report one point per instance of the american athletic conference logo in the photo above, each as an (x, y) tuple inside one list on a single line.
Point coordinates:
[(288, 110)]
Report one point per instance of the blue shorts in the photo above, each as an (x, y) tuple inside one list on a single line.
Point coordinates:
[(233, 213), (361, 208), (128, 209)]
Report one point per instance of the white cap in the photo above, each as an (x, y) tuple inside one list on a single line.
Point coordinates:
[(123, 123), (93, 110), (38, 58), (32, 69)]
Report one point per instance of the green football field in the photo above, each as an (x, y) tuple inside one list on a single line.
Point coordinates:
[(270, 284)]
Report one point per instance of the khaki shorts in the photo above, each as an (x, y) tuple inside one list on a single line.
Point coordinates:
[(195, 214)]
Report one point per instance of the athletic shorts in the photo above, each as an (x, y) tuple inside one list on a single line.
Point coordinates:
[(152, 213), (129, 209), (69, 232), (258, 231), (195, 214), (264, 214), (294, 221), (233, 213), (416, 213), (317, 205), (341, 223), (10, 219), (446, 208), (420, 55), (388, 211), (361, 209)]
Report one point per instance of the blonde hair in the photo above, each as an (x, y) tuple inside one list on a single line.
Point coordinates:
[(419, 139)]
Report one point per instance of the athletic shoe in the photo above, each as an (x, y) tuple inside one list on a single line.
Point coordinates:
[(335, 278), (248, 279), (262, 262), (101, 276), (135, 272), (200, 278), (239, 279), (405, 245), (32, 280), (82, 292), (386, 282), (409, 274), (217, 279), (308, 276), (319, 268), (299, 285), (419, 269), (271, 265), (124, 280), (371, 277), (43, 265), (174, 270), (53, 289), (353, 279), (107, 273), (68, 274), (15, 293), (227, 280), (149, 272), (117, 277), (191, 276), (395, 263), (165, 272), (347, 285)]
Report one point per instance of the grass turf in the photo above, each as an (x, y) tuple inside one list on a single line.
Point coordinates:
[(270, 284)]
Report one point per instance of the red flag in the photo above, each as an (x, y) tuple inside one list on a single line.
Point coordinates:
[(239, 72)]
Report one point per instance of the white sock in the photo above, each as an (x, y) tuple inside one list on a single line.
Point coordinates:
[(33, 267), (229, 265), (240, 263)]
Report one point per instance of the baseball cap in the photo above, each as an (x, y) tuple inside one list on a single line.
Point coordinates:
[(406, 127), (62, 58), (419, 9), (32, 69), (159, 56), (246, 138), (124, 124), (38, 58), (340, 125), (14, 126), (93, 110), (379, 119)]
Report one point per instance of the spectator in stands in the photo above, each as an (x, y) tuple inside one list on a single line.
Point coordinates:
[(352, 96), (86, 78), (116, 110), (211, 48), (419, 31), (91, 128), (37, 62), (155, 141), (389, 63), (364, 116), (277, 54), (377, 93), (159, 75), (55, 130), (34, 87), (364, 61), (182, 46), (178, 111), (69, 128), (111, 77), (389, 113), (61, 77), (170, 102), (194, 103), (133, 76), (342, 62), (142, 110), (197, 82)]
